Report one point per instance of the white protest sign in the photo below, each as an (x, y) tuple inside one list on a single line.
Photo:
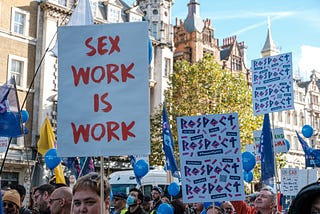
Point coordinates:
[(293, 179), (210, 158), (103, 88), (272, 84), (4, 141), (279, 143)]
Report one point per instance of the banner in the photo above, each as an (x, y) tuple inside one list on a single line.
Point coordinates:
[(210, 158)]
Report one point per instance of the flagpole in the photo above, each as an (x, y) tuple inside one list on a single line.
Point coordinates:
[(5, 156), (275, 161), (102, 184)]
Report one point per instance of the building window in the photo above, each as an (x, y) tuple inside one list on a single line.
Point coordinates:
[(20, 21), (154, 30), (295, 118), (167, 66), (288, 121), (8, 178), (114, 15), (301, 121), (280, 116), (18, 69)]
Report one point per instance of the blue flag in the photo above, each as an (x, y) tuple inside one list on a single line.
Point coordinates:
[(312, 155), (133, 162), (168, 145), (1, 205), (267, 153), (10, 118)]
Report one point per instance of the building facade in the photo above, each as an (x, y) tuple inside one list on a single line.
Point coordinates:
[(18, 39), (194, 37)]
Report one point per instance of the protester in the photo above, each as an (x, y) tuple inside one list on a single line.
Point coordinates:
[(119, 203), (31, 205), (146, 204), (178, 206), (227, 208), (86, 195), (307, 200), (134, 202), (198, 207), (42, 197), (213, 210), (11, 202), (22, 193), (60, 201), (265, 203), (251, 198), (156, 194)]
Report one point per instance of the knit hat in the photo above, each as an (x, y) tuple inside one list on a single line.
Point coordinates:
[(12, 196), (158, 189)]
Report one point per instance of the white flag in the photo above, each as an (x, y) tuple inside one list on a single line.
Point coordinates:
[(82, 15)]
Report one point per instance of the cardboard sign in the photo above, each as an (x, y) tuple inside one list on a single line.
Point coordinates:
[(103, 97)]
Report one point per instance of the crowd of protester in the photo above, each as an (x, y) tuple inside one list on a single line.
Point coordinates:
[(86, 197)]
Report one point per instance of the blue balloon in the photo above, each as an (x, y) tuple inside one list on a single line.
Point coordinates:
[(247, 176), (165, 208), (51, 159), (149, 50), (173, 189), (141, 168), (24, 115), (207, 204), (307, 131), (248, 161), (287, 144)]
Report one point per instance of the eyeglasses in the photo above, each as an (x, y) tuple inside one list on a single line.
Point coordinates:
[(51, 200), (8, 204)]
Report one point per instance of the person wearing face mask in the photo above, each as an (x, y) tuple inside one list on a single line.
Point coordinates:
[(156, 194), (134, 202)]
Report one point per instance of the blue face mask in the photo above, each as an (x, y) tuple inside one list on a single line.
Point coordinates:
[(130, 200)]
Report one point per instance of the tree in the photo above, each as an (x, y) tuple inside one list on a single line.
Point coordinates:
[(204, 88)]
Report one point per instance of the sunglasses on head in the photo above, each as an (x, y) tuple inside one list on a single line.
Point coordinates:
[(8, 204)]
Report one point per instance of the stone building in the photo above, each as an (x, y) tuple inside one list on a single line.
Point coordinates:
[(18, 37), (194, 37)]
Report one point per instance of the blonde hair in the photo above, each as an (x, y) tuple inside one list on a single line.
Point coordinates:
[(93, 182)]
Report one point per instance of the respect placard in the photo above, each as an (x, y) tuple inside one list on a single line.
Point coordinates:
[(272, 84), (210, 158), (103, 99)]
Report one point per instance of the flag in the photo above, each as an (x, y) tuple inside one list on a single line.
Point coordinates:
[(133, 162), (10, 118), (168, 145), (46, 142), (312, 156), (267, 153), (87, 166), (82, 15), (1, 205)]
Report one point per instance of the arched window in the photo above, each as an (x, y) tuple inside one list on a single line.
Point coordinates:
[(295, 118)]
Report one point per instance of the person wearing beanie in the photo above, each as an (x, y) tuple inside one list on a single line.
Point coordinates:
[(11, 202), (156, 194)]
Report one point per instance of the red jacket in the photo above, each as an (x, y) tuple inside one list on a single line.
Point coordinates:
[(241, 207)]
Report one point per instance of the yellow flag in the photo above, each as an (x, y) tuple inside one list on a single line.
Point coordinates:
[(45, 143), (47, 138)]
